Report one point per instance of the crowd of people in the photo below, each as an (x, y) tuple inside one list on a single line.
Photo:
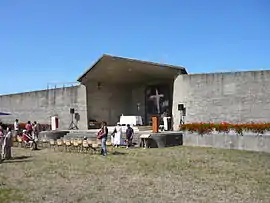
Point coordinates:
[(28, 135)]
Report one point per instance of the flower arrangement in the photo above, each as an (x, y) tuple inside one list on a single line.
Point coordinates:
[(239, 129)]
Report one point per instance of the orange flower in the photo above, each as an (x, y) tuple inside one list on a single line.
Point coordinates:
[(224, 127)]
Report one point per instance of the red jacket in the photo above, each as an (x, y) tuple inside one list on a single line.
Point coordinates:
[(28, 127)]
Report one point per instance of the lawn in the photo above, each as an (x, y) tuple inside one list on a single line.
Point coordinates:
[(179, 174)]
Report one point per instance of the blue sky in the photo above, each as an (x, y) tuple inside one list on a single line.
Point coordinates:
[(56, 41)]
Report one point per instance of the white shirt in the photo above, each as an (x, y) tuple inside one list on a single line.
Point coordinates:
[(16, 126)]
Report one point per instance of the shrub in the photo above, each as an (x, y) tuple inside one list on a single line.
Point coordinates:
[(206, 128), (223, 127)]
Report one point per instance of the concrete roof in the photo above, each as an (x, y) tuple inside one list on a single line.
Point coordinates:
[(125, 70)]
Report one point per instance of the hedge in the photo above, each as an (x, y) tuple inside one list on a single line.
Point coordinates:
[(207, 128)]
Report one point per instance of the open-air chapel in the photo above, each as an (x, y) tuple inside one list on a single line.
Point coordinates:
[(115, 86)]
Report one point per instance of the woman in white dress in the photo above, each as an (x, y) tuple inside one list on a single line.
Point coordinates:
[(117, 135)]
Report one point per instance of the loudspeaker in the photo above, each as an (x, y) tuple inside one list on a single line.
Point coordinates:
[(77, 116), (181, 107), (71, 110), (184, 112)]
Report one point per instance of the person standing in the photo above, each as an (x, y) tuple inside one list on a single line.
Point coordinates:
[(117, 135), (1, 131), (29, 128), (1, 127), (16, 125), (129, 136), (102, 135), (16, 129), (6, 147), (35, 130), (1, 141)]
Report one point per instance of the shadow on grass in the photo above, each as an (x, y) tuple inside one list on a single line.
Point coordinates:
[(118, 153), (20, 157), (38, 149), (17, 159)]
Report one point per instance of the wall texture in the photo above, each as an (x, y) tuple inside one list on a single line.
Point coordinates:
[(41, 105), (225, 141), (109, 102), (217, 97)]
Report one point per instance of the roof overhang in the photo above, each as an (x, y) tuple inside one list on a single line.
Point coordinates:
[(112, 69)]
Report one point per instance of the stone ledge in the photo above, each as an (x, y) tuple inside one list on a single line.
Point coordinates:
[(248, 142)]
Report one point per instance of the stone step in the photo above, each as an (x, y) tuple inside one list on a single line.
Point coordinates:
[(145, 128), (110, 129), (83, 133), (47, 135), (136, 136), (77, 135)]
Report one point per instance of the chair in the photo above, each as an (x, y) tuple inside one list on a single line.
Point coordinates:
[(98, 142), (59, 143), (43, 142), (26, 144), (64, 143), (109, 146), (80, 142), (85, 146), (90, 142), (76, 145), (95, 146), (72, 141), (68, 145), (108, 143), (19, 139), (52, 144)]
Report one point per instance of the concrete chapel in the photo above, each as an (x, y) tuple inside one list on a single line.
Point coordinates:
[(115, 85)]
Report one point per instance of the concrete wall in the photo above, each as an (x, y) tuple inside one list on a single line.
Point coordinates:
[(108, 102), (41, 105), (138, 96), (246, 142), (232, 97)]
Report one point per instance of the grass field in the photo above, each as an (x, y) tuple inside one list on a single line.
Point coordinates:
[(179, 174)]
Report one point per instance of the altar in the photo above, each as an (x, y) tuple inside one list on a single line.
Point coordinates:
[(131, 120)]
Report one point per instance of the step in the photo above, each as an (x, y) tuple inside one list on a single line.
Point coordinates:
[(145, 128)]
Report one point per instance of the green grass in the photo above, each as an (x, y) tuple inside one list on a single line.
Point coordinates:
[(179, 174), (8, 195)]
